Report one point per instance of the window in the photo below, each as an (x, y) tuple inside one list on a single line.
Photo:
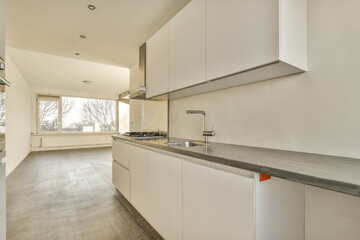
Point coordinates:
[(49, 114), (123, 117), (72, 114)]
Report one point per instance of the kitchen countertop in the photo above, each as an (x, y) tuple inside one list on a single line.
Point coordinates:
[(339, 174)]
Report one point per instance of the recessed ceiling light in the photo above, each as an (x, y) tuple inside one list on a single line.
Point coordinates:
[(91, 7), (82, 36), (87, 82), (77, 54)]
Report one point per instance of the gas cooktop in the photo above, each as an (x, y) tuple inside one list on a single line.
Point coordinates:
[(145, 135)]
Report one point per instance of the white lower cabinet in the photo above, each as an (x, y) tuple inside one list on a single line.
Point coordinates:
[(191, 199), (331, 215), (217, 204), (121, 179), (186, 198), (165, 195), (139, 179), (280, 210), (120, 153)]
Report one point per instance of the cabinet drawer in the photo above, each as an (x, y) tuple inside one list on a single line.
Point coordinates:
[(121, 179), (121, 153)]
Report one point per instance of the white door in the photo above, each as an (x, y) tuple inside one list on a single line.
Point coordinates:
[(157, 63), (240, 35), (165, 195), (330, 215), (217, 204), (139, 179), (187, 46), (280, 210)]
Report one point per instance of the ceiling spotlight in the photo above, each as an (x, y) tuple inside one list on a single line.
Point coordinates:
[(91, 7), (77, 54), (82, 36), (87, 82)]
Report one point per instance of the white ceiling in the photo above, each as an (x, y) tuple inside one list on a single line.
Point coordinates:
[(114, 30), (50, 71)]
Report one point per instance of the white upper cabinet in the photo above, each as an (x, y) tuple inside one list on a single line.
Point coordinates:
[(157, 63), (211, 45), (246, 34), (2, 29), (187, 46)]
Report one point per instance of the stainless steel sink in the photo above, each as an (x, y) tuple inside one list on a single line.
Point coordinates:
[(186, 144)]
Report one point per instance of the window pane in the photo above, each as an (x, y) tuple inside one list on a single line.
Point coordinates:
[(123, 117), (48, 116), (88, 115)]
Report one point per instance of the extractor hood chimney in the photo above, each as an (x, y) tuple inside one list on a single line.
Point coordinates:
[(140, 91)]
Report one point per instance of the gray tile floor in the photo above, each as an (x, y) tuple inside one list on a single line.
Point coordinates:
[(67, 195)]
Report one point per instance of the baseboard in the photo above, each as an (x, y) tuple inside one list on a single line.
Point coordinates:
[(151, 232), (39, 149), (8, 174)]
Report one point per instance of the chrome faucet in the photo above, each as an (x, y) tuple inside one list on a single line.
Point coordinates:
[(205, 133)]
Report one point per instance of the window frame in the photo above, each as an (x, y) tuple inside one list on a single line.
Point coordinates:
[(59, 131)]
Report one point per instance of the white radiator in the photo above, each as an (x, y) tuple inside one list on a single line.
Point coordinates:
[(74, 140)]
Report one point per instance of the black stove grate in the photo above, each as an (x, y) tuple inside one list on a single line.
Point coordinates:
[(144, 134)]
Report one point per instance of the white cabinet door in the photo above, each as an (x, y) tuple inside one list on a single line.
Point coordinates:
[(187, 46), (157, 63), (241, 34), (2, 29), (121, 179), (165, 195), (330, 215), (121, 153), (217, 204), (280, 210), (139, 179)]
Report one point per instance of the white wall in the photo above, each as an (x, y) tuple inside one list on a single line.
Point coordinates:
[(317, 111), (17, 117), (148, 116)]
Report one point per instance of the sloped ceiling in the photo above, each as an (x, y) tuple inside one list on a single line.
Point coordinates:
[(114, 31), (50, 71)]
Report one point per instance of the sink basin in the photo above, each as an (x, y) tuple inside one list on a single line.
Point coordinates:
[(186, 144)]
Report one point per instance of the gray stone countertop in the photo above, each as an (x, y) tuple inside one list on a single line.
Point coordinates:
[(339, 174)]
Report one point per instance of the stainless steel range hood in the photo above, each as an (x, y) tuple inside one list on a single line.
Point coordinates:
[(138, 92)]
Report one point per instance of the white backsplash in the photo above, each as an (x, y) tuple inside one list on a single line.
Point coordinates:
[(316, 112), (147, 116)]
